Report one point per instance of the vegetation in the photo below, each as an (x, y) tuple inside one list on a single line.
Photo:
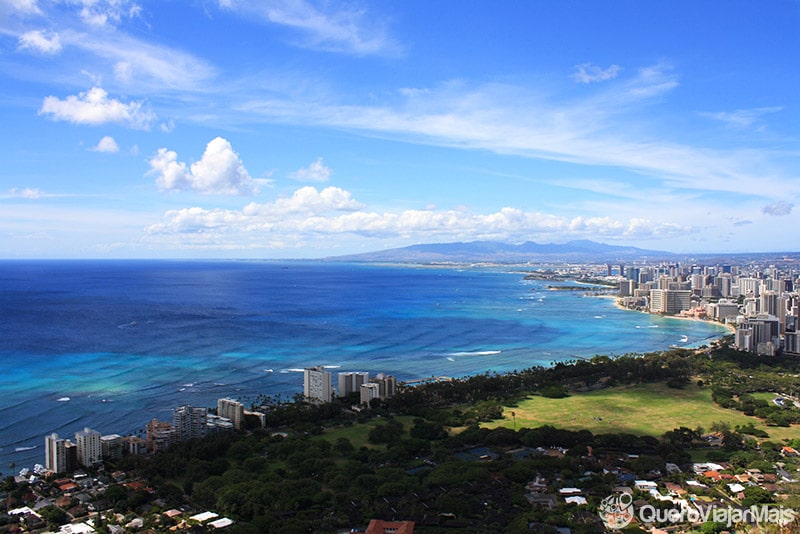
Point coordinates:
[(457, 456)]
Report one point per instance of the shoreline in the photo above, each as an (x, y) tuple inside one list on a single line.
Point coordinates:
[(728, 327)]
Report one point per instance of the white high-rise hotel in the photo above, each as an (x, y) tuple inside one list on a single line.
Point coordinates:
[(317, 386), (233, 410)]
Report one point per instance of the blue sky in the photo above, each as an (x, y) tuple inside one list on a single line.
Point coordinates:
[(303, 129)]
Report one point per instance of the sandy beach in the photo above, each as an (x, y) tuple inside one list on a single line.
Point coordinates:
[(729, 327)]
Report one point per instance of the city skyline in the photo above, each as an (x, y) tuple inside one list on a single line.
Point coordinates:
[(300, 129)]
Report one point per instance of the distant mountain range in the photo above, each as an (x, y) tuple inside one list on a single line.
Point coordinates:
[(492, 251)]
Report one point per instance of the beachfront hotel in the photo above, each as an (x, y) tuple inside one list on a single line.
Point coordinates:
[(317, 384), (350, 382), (232, 410)]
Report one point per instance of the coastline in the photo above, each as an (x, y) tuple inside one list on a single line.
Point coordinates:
[(730, 328)]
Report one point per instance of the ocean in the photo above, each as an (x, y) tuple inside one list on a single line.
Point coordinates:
[(113, 344)]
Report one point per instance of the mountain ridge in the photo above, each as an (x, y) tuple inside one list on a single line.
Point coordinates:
[(496, 251)]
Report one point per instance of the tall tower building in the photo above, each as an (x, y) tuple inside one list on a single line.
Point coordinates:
[(387, 385), (233, 410), (189, 422), (669, 300), (351, 382), (55, 454), (160, 435), (317, 386), (90, 448)]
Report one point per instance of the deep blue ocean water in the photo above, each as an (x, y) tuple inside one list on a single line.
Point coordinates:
[(111, 345)]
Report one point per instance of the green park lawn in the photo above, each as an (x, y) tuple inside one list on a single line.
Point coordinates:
[(649, 409), (358, 434)]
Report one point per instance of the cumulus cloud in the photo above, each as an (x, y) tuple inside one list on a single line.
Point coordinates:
[(41, 42), (94, 107), (107, 144), (778, 209), (316, 172), (590, 73), (218, 172), (311, 213), (306, 201)]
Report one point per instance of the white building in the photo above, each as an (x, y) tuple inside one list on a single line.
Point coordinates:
[(351, 382), (317, 386), (90, 448), (670, 300), (369, 391), (55, 454), (189, 422), (233, 410)]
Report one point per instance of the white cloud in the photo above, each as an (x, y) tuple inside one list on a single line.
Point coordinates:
[(306, 201), (29, 193), (742, 118), (143, 64), (24, 6), (123, 71), (40, 42), (778, 209), (316, 172), (107, 144), (218, 172), (327, 27), (603, 129), (106, 12), (95, 107), (589, 73), (313, 214)]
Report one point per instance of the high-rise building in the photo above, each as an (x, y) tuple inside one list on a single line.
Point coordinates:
[(387, 385), (749, 286), (90, 448), (189, 422), (351, 382), (233, 410), (369, 391), (768, 303), (759, 334), (317, 386), (112, 446), (160, 435), (670, 300), (55, 454)]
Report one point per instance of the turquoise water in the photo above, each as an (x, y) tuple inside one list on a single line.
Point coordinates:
[(111, 345)]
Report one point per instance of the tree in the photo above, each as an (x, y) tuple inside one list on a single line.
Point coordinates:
[(54, 516), (756, 495)]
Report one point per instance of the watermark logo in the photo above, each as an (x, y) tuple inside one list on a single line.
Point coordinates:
[(616, 511)]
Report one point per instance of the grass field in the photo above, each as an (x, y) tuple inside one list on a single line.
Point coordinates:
[(358, 434), (649, 409)]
